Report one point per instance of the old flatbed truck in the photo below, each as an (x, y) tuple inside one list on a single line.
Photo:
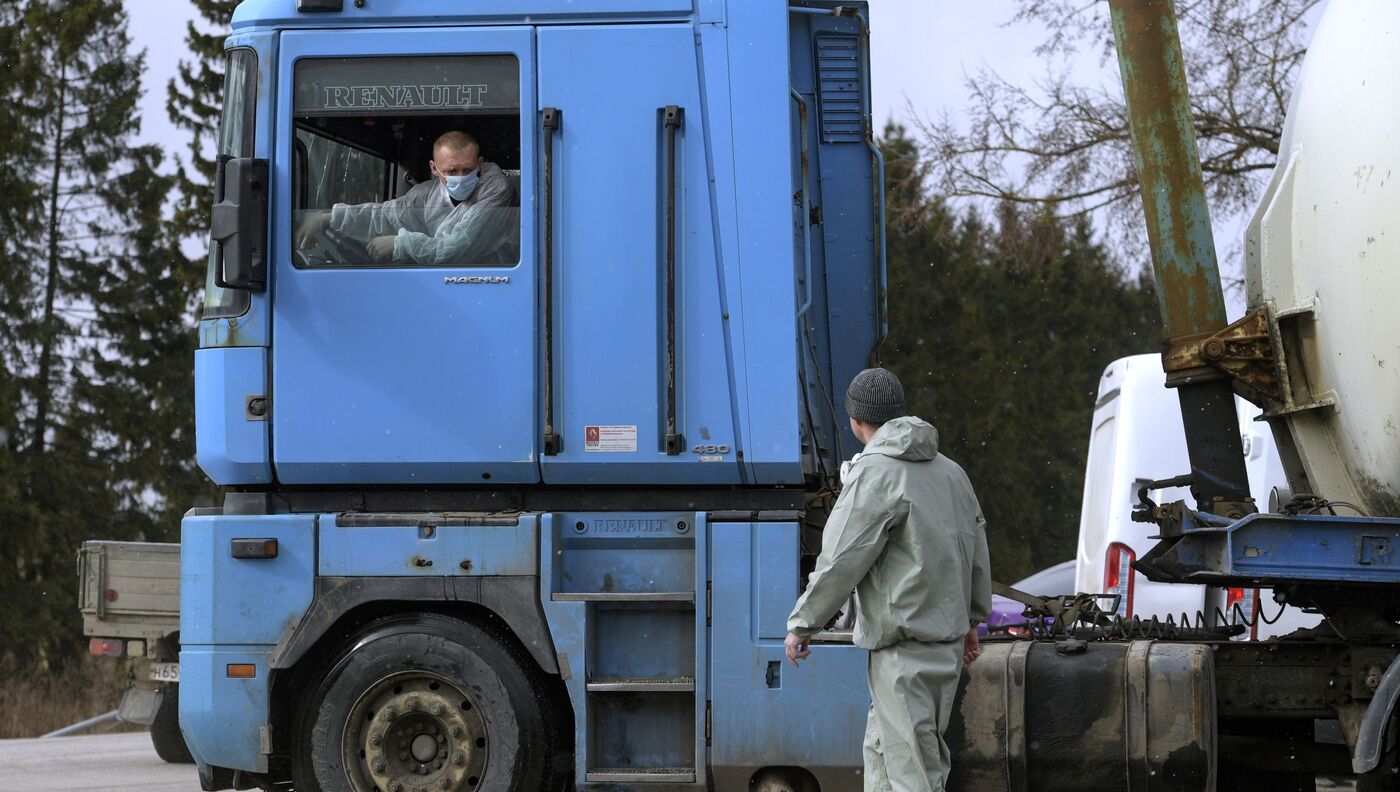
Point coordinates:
[(129, 595)]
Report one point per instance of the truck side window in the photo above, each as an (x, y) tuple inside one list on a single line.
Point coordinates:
[(337, 173), (407, 161), (236, 127)]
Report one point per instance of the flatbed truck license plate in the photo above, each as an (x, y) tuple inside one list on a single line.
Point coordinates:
[(165, 672)]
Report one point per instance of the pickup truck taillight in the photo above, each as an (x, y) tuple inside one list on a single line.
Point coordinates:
[(1242, 607), (106, 647), (1118, 576)]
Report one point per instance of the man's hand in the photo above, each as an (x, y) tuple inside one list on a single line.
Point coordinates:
[(312, 226), (797, 648), (972, 648), (381, 248)]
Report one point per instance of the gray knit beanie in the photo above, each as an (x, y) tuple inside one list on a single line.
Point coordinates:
[(875, 396)]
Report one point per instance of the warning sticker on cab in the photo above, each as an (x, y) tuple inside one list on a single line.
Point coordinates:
[(618, 438)]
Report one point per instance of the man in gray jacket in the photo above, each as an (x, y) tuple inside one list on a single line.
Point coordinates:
[(908, 536)]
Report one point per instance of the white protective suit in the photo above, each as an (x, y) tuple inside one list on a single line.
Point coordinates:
[(908, 535), (431, 229)]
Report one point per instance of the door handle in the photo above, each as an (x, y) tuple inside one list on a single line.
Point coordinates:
[(550, 119), (672, 117)]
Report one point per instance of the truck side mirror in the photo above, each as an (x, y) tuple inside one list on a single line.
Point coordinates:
[(238, 223)]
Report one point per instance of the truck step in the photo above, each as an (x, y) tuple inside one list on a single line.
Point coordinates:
[(624, 596), (642, 775), (641, 685)]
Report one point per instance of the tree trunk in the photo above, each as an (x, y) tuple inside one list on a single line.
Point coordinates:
[(48, 337)]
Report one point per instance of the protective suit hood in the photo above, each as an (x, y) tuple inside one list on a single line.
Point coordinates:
[(908, 438)]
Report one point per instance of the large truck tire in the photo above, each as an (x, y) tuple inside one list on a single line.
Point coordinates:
[(429, 702), (166, 737)]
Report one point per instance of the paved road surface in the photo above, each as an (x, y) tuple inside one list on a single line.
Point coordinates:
[(115, 762), (122, 763)]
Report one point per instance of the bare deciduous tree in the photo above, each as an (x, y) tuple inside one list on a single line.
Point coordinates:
[(1066, 144)]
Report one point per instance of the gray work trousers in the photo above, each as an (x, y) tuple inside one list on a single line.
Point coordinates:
[(912, 687)]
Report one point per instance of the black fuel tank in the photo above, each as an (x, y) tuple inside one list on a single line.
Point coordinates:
[(1134, 715)]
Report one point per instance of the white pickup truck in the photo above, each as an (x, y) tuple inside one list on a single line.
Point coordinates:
[(1137, 438), (129, 594)]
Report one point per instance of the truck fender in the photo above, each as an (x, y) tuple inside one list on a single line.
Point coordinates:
[(1370, 739), (515, 599)]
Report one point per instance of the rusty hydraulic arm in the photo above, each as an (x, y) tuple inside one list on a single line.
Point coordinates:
[(1183, 248)]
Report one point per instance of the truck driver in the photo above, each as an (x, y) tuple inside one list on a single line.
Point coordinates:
[(459, 216)]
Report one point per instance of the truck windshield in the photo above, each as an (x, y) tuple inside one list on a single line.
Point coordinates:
[(235, 140), (407, 161)]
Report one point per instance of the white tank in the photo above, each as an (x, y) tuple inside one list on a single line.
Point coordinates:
[(1323, 249)]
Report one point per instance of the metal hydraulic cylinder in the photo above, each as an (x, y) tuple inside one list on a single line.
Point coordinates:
[(1182, 245)]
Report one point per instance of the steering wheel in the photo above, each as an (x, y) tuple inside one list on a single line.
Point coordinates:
[(331, 248)]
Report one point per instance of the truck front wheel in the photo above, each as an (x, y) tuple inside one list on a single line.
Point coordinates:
[(427, 702)]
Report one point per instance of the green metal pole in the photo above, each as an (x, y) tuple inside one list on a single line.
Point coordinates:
[(1182, 245)]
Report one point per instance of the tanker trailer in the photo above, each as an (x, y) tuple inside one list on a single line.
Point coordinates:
[(1323, 265), (1318, 350)]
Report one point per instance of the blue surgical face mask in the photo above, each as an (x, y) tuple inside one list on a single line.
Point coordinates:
[(462, 187)]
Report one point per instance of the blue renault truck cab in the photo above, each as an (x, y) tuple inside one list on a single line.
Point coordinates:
[(529, 511)]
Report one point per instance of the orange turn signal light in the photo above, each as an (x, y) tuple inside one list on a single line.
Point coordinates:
[(254, 548), (242, 670)]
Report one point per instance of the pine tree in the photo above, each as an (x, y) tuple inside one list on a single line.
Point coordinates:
[(141, 397), (19, 215), (87, 93), (72, 89), (193, 101)]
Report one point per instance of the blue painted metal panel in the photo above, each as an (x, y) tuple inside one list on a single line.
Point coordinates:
[(1275, 548), (391, 375), (841, 103), (492, 550), (568, 627), (624, 553), (222, 719), (226, 600), (762, 157), (712, 53), (235, 611), (710, 11), (812, 716), (230, 448), (824, 425), (400, 551), (775, 576), (702, 645), (638, 639), (252, 328), (848, 274), (610, 233), (431, 12)]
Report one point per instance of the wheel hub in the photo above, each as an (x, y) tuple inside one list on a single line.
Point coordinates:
[(415, 732)]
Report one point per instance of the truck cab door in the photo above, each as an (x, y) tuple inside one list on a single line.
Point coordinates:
[(415, 365), (641, 379)]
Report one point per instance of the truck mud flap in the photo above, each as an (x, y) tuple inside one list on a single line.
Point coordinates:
[(139, 706), (1034, 715)]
